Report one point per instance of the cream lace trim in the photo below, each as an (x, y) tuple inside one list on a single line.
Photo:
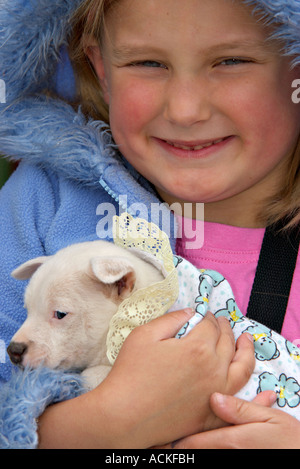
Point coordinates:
[(149, 242)]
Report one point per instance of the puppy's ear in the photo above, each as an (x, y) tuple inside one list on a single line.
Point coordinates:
[(117, 271), (26, 270)]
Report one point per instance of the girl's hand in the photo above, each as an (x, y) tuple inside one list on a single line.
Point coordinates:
[(253, 426), (157, 391), (159, 388)]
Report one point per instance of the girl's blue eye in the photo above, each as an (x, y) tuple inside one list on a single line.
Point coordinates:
[(234, 61), (148, 63), (59, 315)]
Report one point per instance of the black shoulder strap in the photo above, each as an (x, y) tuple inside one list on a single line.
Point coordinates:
[(274, 276)]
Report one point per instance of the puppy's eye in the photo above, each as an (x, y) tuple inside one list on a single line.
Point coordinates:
[(59, 315)]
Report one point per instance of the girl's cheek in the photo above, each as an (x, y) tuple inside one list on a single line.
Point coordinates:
[(134, 104)]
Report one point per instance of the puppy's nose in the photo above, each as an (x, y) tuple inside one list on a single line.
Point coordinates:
[(16, 350)]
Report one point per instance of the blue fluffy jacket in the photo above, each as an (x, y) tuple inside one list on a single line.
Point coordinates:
[(68, 167)]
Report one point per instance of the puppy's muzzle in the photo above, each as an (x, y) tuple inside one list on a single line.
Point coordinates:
[(16, 352)]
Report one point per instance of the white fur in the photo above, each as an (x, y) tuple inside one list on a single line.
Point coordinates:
[(88, 281)]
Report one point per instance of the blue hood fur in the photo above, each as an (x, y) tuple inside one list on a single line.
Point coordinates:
[(32, 35), (33, 38), (34, 32)]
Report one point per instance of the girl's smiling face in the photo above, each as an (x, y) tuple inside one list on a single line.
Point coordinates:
[(199, 102)]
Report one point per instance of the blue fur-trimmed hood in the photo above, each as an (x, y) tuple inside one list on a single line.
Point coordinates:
[(75, 147), (47, 131), (33, 34), (285, 16), (33, 58)]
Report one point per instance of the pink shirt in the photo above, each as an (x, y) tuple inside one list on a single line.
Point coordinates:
[(234, 252)]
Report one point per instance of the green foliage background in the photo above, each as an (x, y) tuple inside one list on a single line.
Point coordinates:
[(5, 170)]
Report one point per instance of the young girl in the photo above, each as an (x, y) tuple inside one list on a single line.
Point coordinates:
[(198, 99)]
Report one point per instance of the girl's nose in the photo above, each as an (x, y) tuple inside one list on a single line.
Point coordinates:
[(187, 102)]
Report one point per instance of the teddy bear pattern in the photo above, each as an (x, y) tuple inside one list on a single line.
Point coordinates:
[(277, 360)]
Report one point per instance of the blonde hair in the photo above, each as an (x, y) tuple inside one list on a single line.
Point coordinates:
[(88, 21), (285, 206)]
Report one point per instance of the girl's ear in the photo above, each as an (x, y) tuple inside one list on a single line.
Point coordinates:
[(94, 54)]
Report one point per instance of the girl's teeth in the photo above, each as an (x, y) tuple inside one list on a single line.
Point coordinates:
[(198, 147)]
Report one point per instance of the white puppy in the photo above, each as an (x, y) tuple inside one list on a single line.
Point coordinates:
[(70, 301), (84, 301)]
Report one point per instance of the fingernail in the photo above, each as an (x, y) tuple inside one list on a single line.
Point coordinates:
[(219, 398), (273, 398), (249, 337), (189, 311)]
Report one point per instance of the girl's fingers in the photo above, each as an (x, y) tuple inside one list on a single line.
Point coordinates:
[(208, 329), (239, 412), (265, 398), (226, 347), (166, 326), (235, 412), (215, 333), (242, 365)]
